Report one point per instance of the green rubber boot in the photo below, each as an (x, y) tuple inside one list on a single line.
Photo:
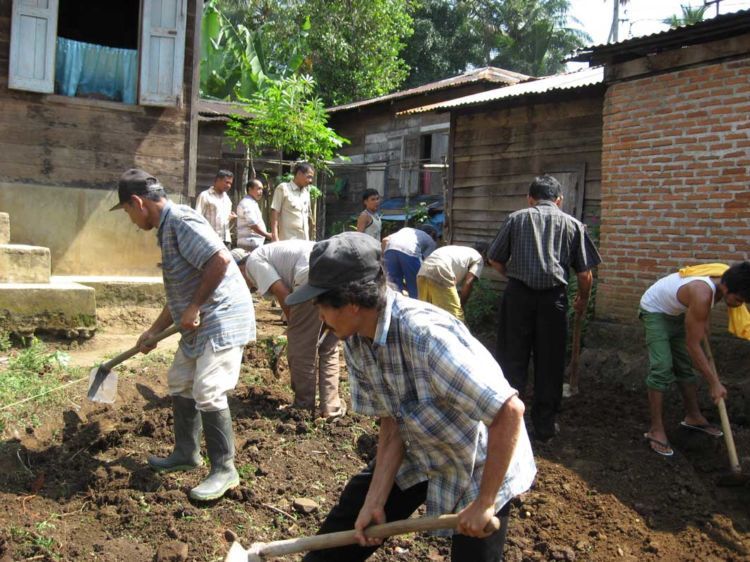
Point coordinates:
[(217, 426), (187, 434)]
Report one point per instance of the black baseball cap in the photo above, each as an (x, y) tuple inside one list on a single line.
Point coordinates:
[(341, 259), (136, 182)]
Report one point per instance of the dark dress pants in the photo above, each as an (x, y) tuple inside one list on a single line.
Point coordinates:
[(535, 321), (400, 505)]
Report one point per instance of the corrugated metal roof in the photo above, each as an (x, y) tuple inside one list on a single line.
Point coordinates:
[(718, 27), (485, 74), (567, 81), (216, 109)]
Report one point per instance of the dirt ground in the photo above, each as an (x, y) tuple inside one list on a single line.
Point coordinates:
[(78, 488)]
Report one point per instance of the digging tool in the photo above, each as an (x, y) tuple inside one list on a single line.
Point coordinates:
[(571, 388), (261, 551), (99, 374), (736, 478)]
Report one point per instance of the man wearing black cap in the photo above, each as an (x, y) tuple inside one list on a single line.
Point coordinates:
[(451, 428), (207, 297)]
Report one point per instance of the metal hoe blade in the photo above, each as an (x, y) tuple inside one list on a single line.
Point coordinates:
[(101, 374)]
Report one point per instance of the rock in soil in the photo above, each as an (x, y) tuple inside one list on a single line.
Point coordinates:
[(172, 552)]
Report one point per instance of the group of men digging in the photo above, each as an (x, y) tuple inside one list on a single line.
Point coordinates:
[(452, 433)]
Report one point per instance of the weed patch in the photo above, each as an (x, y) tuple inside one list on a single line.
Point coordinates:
[(27, 372)]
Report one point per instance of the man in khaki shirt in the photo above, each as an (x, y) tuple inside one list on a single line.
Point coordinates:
[(290, 207)]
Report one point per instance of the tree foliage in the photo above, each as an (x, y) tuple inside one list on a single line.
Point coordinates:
[(527, 36), (355, 46), (350, 47), (443, 43), (236, 56), (287, 116), (357, 49)]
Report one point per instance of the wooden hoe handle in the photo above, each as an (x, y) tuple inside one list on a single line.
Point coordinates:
[(173, 329), (259, 551), (576, 351), (734, 460)]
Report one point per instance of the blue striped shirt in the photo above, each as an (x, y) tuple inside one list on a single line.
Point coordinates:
[(187, 242), (443, 388)]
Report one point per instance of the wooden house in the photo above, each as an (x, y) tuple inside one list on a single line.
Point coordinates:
[(393, 154), (501, 139), (87, 90)]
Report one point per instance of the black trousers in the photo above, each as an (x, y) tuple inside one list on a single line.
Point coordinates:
[(535, 321), (400, 505)]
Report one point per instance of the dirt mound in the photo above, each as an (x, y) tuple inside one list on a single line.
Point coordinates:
[(79, 488)]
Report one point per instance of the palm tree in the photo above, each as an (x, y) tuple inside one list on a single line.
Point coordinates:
[(528, 36), (689, 16)]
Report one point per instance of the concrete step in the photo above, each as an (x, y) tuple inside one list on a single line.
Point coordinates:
[(67, 309), (20, 263), (115, 290), (4, 228)]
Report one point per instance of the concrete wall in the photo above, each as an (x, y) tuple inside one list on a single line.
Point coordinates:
[(84, 238), (676, 171)]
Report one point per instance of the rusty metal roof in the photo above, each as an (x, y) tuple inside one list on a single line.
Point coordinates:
[(485, 74), (718, 27), (567, 81), (218, 109)]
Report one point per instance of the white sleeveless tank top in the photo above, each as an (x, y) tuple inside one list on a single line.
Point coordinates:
[(662, 295), (375, 226)]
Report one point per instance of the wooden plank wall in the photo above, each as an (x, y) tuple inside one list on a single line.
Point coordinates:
[(376, 135), (65, 141), (216, 151), (498, 150)]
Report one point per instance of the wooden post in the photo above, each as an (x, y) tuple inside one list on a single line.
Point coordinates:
[(191, 172)]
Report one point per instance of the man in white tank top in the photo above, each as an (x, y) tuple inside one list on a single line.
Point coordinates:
[(369, 220), (675, 312)]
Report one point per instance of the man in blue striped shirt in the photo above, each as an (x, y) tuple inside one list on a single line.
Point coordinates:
[(208, 299), (451, 428)]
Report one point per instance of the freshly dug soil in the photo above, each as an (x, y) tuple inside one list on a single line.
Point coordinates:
[(78, 488)]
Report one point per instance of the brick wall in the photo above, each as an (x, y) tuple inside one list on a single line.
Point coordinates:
[(675, 178)]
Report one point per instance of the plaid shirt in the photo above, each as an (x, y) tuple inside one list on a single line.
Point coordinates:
[(443, 388), (540, 244), (187, 242)]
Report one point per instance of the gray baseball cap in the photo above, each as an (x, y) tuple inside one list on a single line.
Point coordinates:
[(136, 182), (341, 259)]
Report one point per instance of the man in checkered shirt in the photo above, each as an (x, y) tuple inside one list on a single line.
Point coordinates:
[(535, 249), (451, 427)]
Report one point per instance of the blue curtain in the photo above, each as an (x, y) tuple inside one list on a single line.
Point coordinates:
[(87, 69)]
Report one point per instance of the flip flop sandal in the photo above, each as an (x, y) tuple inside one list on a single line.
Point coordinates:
[(708, 429), (669, 451)]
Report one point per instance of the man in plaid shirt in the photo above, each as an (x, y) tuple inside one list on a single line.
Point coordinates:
[(535, 249), (451, 428)]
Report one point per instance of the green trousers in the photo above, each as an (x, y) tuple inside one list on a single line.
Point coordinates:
[(668, 356)]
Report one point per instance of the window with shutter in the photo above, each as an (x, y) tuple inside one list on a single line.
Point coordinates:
[(33, 32), (89, 48), (162, 51)]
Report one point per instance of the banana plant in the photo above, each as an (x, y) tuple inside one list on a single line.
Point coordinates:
[(233, 60)]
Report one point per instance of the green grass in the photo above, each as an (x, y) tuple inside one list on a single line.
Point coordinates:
[(26, 372)]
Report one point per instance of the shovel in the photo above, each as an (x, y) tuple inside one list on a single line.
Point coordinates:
[(260, 551), (102, 386), (736, 478), (571, 388)]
